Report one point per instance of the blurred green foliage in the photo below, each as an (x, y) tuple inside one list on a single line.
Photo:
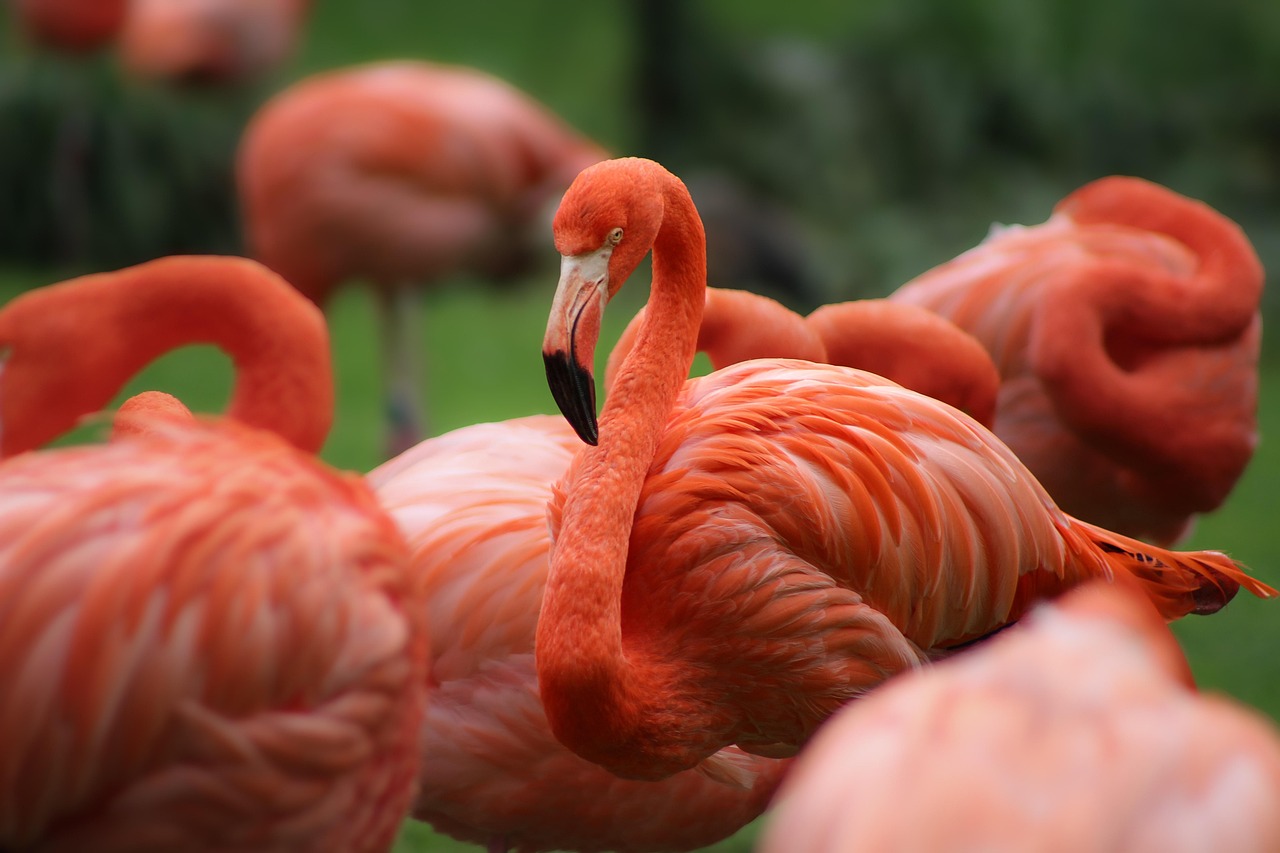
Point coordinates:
[(894, 131)]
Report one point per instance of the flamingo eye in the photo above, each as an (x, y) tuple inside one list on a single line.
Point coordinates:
[(615, 237)]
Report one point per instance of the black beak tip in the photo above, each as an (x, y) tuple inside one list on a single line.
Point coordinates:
[(574, 390)]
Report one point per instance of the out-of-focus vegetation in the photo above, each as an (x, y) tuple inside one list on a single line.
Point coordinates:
[(891, 131)]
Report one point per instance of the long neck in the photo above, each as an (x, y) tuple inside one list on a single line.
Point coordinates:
[(73, 346), (597, 695)]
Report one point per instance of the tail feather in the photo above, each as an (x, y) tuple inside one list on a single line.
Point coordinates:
[(1177, 582)]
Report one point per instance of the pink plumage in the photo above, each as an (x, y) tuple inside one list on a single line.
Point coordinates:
[(1126, 330), (1074, 731), (472, 504)]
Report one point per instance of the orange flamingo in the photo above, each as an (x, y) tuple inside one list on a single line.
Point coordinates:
[(472, 504), (739, 555), (1126, 329), (207, 640), (402, 174), (223, 42), (71, 26), (1075, 731), (912, 346)]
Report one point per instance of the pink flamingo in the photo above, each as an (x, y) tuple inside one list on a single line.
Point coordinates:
[(739, 555), (401, 174), (207, 638), (1126, 330), (1077, 730)]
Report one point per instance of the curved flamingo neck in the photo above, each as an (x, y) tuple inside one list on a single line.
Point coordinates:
[(737, 326), (600, 697), (71, 347)]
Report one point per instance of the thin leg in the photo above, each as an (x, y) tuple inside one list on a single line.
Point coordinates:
[(402, 356)]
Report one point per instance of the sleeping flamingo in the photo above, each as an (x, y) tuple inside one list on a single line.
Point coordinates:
[(912, 346), (224, 42), (1126, 330), (401, 174), (1077, 730), (472, 505), (71, 26), (739, 555), (207, 638)]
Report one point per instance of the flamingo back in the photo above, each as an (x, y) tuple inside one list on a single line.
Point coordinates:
[(206, 644), (1126, 330), (840, 529), (400, 172), (1071, 732)]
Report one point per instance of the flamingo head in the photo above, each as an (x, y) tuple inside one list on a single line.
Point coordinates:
[(606, 224)]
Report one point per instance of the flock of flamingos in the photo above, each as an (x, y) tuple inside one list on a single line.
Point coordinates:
[(636, 630)]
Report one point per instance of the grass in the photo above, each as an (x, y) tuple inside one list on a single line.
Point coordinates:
[(483, 348)]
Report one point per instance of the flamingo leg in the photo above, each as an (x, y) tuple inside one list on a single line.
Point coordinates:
[(402, 353)]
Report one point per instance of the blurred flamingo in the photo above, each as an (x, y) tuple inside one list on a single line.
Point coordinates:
[(739, 555), (71, 26), (472, 504), (221, 42), (1126, 330), (207, 640), (912, 346), (1077, 730), (402, 174)]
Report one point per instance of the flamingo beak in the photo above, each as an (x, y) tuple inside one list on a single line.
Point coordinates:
[(573, 329)]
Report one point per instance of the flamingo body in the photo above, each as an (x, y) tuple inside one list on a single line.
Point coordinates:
[(401, 174), (206, 646), (210, 41), (739, 555), (207, 637), (1076, 731), (472, 504), (1126, 331)]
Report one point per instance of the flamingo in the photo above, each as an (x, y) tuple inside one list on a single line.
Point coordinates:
[(912, 346), (472, 505), (402, 174), (739, 555), (1126, 329), (225, 42), (1077, 730), (71, 26), (207, 637)]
